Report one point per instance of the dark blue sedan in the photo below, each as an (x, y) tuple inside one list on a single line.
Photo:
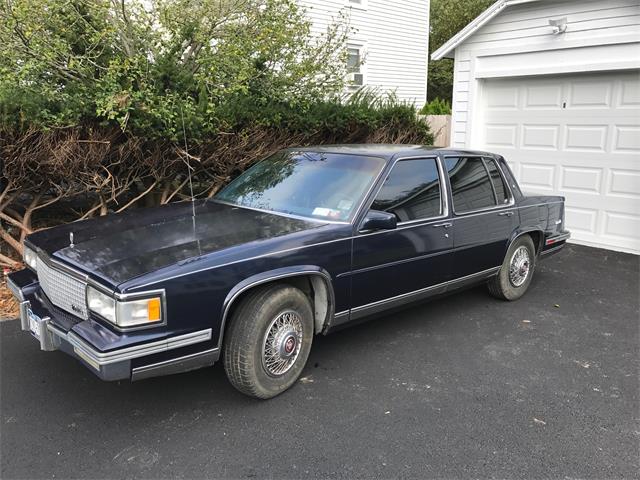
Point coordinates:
[(305, 241)]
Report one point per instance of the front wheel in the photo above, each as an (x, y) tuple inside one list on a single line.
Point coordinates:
[(516, 271), (268, 341)]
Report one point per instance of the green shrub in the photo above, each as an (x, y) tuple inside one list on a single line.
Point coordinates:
[(147, 64), (436, 107)]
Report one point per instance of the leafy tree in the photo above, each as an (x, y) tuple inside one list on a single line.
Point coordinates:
[(447, 19), (147, 64)]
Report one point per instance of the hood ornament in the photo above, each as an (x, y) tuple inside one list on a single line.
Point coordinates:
[(71, 239)]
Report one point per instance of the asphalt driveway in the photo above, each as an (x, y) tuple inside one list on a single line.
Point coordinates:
[(463, 387)]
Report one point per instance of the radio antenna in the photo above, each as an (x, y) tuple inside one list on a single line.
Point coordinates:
[(193, 198)]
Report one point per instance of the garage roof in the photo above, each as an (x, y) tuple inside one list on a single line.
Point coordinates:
[(448, 48)]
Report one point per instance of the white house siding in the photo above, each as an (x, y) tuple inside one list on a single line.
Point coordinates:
[(395, 37), (563, 109)]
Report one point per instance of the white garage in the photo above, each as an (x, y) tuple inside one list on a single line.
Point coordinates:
[(563, 108)]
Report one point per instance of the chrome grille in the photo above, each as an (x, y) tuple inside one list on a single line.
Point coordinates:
[(64, 290)]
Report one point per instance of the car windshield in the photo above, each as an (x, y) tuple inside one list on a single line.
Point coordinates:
[(309, 184)]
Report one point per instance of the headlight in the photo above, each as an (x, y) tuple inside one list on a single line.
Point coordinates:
[(102, 304), (30, 258), (130, 313), (138, 312)]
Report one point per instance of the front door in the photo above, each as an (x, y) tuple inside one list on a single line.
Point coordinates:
[(390, 265)]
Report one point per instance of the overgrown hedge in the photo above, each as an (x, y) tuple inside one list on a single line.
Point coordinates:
[(105, 105), (68, 174)]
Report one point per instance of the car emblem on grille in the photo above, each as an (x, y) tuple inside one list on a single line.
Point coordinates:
[(71, 239), (76, 308)]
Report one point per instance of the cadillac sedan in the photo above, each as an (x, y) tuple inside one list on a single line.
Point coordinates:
[(300, 244)]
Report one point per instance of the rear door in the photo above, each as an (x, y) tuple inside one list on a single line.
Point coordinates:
[(484, 214)]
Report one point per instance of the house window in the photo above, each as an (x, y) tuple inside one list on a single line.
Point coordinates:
[(354, 65)]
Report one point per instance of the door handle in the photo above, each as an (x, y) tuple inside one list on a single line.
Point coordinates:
[(445, 225), (506, 214)]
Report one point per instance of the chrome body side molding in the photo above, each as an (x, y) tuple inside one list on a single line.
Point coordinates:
[(423, 293), (105, 358), (558, 238), (177, 365)]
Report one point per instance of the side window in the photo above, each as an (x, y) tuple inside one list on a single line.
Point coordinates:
[(502, 193), (470, 184), (411, 191)]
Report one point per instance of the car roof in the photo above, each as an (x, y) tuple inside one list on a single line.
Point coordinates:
[(387, 151)]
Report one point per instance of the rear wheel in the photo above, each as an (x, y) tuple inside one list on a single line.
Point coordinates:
[(269, 340), (516, 271)]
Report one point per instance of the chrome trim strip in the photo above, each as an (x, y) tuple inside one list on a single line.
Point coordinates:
[(338, 319), (559, 238), (539, 204), (177, 365), (360, 311), (24, 317), (48, 341), (484, 211), (105, 358)]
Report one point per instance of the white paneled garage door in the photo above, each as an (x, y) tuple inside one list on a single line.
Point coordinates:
[(576, 135)]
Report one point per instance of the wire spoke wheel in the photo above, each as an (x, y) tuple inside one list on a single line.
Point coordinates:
[(282, 343), (519, 266)]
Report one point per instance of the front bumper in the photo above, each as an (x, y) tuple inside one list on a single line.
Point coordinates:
[(118, 364)]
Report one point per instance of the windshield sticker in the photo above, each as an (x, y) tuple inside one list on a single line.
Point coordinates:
[(326, 212)]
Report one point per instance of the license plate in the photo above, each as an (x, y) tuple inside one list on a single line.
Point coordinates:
[(34, 323)]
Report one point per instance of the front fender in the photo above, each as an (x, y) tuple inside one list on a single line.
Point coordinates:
[(273, 275)]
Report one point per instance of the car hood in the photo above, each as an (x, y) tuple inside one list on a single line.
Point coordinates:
[(120, 247)]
